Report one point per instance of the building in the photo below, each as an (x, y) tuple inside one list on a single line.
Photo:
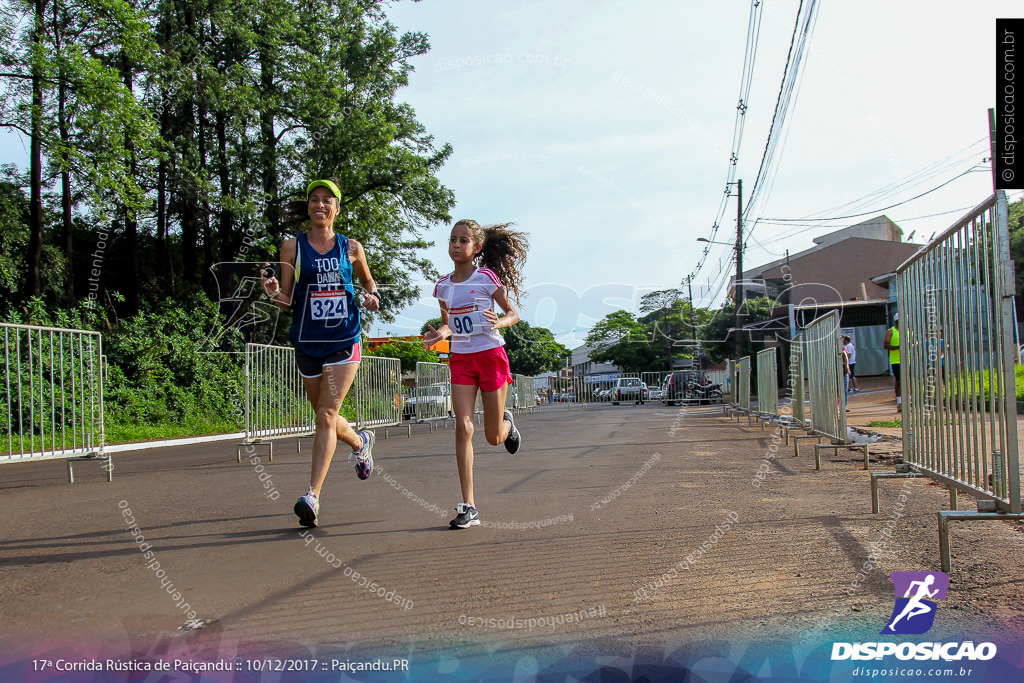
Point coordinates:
[(840, 266), (849, 270)]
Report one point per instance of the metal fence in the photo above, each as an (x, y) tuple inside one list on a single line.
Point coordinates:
[(377, 393), (957, 354), (53, 394), (522, 395), (767, 383), (276, 405), (432, 395), (796, 379), (275, 401), (654, 379), (739, 380), (720, 377), (823, 355)]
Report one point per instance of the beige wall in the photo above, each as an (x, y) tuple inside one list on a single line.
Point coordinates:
[(835, 273)]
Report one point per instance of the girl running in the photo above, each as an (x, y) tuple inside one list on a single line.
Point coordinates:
[(467, 296), (316, 283)]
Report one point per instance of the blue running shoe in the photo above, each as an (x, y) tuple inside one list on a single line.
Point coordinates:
[(364, 456)]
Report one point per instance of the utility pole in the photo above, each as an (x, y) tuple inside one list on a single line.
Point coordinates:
[(739, 267), (693, 321)]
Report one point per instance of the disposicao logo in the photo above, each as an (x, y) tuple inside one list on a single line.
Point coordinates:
[(913, 613)]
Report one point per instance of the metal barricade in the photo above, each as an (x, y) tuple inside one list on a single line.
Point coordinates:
[(719, 377), (767, 385), (521, 394), (52, 389), (527, 388), (741, 381), (377, 393), (794, 416), (432, 395), (822, 352), (276, 405), (957, 355), (796, 379)]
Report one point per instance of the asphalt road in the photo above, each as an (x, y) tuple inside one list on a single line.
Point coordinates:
[(618, 531)]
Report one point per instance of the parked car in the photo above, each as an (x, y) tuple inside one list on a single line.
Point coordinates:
[(627, 389), (437, 398), (655, 394)]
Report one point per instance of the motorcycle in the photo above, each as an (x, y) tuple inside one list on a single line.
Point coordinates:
[(704, 392)]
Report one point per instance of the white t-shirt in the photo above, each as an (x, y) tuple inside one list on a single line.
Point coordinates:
[(466, 302), (851, 351)]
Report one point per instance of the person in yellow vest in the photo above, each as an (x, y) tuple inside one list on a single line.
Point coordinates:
[(892, 345)]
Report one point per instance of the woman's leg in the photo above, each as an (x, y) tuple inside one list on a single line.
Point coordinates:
[(326, 394), (463, 402), (495, 426)]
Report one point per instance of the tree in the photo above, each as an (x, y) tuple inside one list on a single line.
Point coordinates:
[(408, 352), (717, 327), (62, 89), (532, 350), (433, 322), (623, 340)]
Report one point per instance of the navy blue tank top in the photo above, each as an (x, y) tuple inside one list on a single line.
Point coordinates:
[(325, 319)]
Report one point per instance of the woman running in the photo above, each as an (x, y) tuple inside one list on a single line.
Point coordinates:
[(478, 361), (316, 283)]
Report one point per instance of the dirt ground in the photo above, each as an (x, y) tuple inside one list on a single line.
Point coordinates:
[(618, 534)]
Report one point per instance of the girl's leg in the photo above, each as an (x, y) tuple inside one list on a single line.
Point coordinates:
[(326, 394), (463, 402), (495, 426)]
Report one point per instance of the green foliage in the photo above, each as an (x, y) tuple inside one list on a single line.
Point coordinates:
[(185, 128), (623, 340), (532, 350), (715, 328), (408, 352), (161, 380), (433, 322), (1016, 228)]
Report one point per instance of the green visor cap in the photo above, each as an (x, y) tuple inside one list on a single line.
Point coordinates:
[(324, 183)]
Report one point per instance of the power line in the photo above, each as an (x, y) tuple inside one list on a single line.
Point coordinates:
[(779, 221), (746, 82)]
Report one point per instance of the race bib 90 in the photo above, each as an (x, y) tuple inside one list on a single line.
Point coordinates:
[(468, 324), (328, 304)]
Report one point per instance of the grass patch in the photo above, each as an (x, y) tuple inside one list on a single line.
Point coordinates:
[(125, 432), (128, 432), (886, 423)]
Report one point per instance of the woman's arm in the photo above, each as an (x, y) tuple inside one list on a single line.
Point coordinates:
[(280, 290), (361, 270)]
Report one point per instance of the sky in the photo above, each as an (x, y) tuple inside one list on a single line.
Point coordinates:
[(604, 129)]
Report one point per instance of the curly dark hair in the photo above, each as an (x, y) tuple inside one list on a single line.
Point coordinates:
[(504, 252)]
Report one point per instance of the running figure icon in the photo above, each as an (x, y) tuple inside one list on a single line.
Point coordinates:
[(912, 607)]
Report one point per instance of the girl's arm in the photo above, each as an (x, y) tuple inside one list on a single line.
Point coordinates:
[(434, 336), (280, 291), (511, 316), (361, 269)]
